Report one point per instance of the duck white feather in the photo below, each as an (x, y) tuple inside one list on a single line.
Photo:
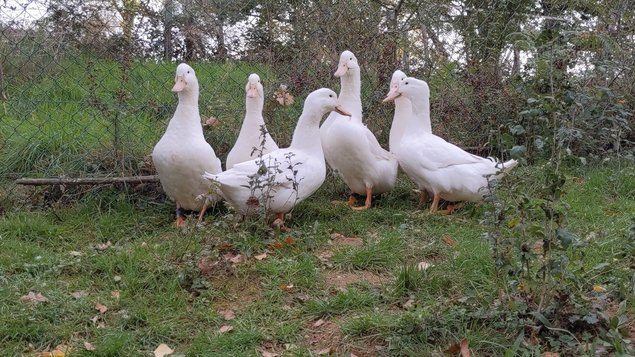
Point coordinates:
[(182, 154), (350, 148), (433, 163), (253, 137), (281, 179), (403, 109)]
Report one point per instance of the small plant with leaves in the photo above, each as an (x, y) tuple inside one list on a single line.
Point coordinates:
[(262, 184)]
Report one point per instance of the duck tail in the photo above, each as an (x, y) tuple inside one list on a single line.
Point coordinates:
[(505, 167), (210, 176)]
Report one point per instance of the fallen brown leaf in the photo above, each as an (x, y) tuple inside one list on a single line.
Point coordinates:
[(226, 328), (206, 265), (465, 348), (230, 257), (326, 351), (115, 294), (89, 346), (276, 245), (268, 354), (212, 121), (551, 354), (289, 240), (599, 289), (75, 253), (408, 304), (101, 308), (227, 314), (34, 298), (260, 256), (162, 350), (448, 240), (282, 96), (537, 247), (318, 323), (286, 286)]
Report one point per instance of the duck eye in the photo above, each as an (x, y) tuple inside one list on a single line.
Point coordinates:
[(188, 72), (406, 83), (330, 95)]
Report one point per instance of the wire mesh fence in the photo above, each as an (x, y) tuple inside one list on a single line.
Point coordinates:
[(85, 85)]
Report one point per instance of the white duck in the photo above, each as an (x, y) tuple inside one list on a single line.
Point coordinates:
[(403, 110), (349, 147), (431, 162), (250, 140), (284, 177), (182, 155)]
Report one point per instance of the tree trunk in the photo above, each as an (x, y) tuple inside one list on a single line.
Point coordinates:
[(219, 33), (168, 14), (516, 65)]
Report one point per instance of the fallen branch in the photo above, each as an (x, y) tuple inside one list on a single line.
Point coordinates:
[(85, 180)]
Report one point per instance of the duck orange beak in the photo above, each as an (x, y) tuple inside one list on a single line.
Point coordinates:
[(252, 92), (341, 70), (392, 95), (342, 111), (179, 84)]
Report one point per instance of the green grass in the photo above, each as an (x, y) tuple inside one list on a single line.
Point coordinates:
[(166, 297), (74, 120)]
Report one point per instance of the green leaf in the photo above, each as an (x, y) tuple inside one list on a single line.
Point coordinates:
[(565, 237), (539, 144), (517, 130), (540, 317), (517, 151)]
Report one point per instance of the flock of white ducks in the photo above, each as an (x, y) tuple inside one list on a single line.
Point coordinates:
[(259, 175)]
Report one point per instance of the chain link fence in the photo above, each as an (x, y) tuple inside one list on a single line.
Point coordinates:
[(85, 85)]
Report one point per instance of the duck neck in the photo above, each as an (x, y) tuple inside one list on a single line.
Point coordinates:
[(187, 118), (189, 96), (419, 121), (403, 110), (253, 111), (350, 92), (306, 135)]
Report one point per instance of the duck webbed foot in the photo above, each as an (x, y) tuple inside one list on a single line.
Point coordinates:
[(367, 203), (180, 216), (279, 223)]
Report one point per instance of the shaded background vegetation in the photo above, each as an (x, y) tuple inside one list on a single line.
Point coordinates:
[(85, 85)]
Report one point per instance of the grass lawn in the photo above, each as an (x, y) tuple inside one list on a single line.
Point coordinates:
[(118, 275)]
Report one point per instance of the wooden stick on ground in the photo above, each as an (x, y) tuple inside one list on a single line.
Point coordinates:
[(85, 180)]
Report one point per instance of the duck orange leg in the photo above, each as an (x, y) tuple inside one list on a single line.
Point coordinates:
[(423, 196), (369, 198), (180, 216), (202, 213), (351, 201), (279, 222), (435, 202), (452, 207)]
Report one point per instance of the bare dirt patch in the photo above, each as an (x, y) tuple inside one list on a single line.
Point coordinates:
[(342, 240), (340, 280), (325, 337)]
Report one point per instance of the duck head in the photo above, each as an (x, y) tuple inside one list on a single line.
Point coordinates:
[(325, 100), (410, 88), (185, 78), (347, 62), (397, 77), (254, 87)]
